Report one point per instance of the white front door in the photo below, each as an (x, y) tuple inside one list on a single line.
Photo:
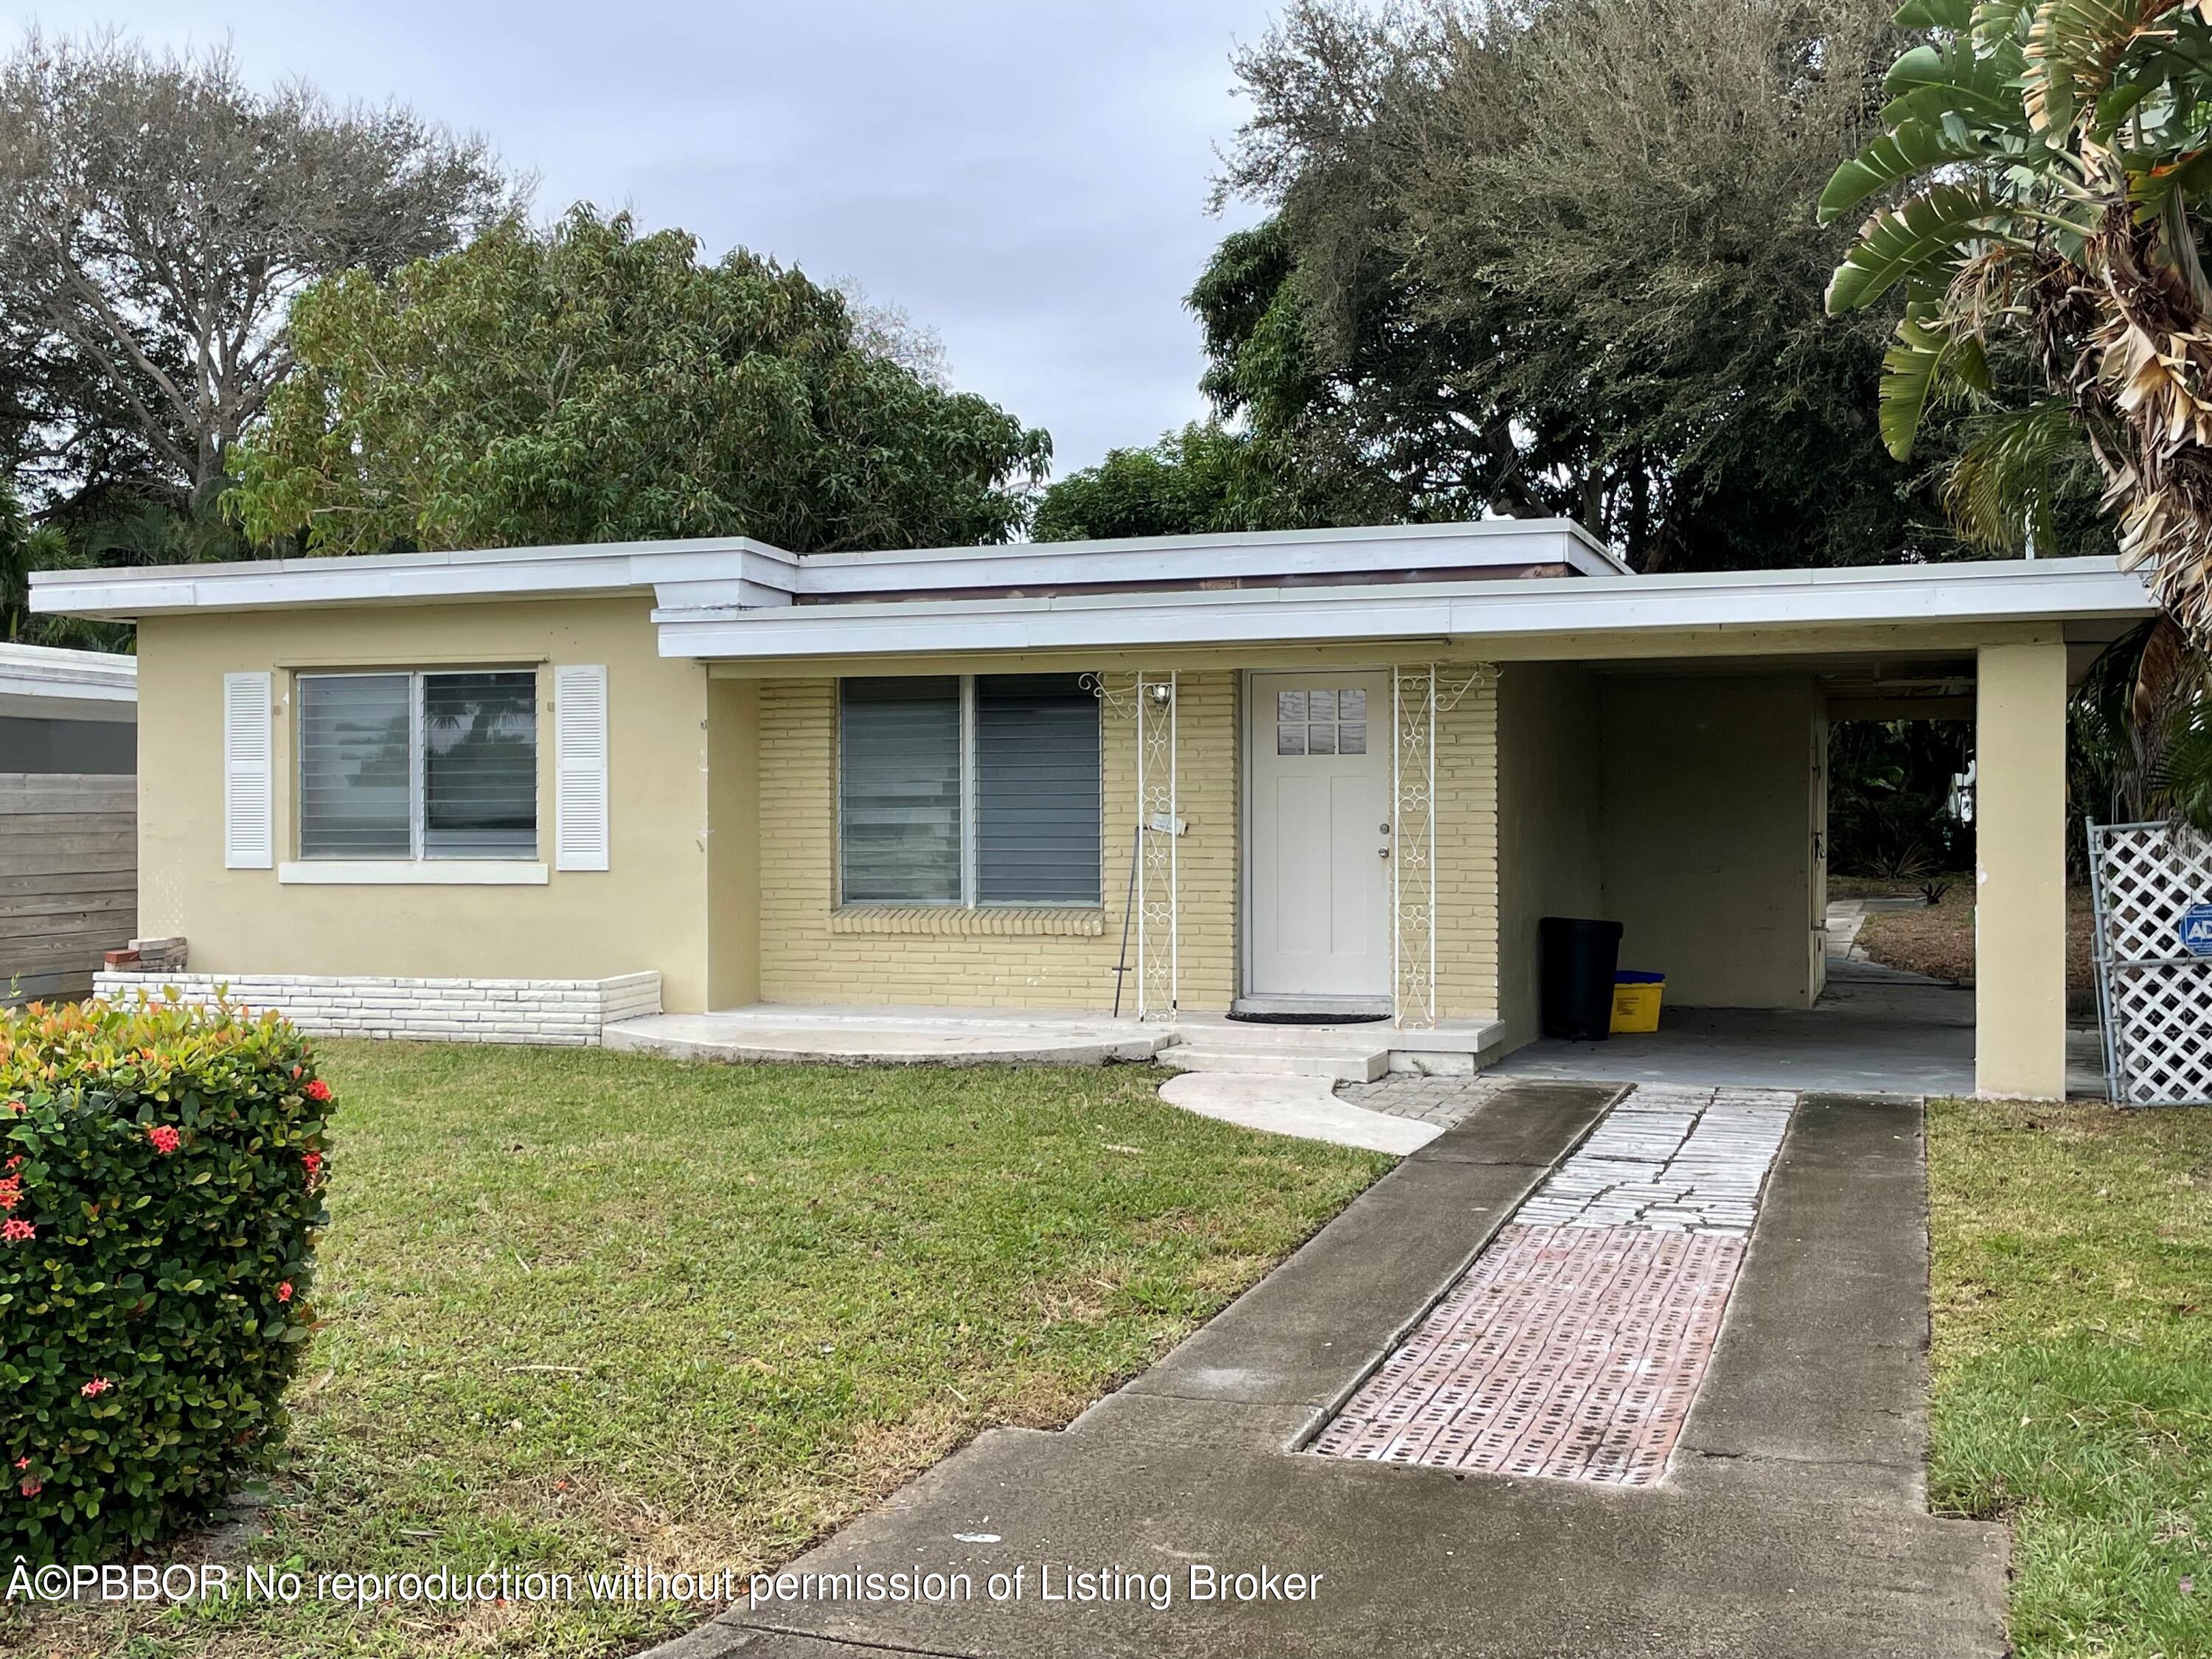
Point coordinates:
[(1321, 835)]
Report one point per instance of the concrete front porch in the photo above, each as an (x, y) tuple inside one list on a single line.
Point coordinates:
[(1357, 1052)]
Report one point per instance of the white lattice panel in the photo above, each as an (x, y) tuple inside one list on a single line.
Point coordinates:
[(2154, 998)]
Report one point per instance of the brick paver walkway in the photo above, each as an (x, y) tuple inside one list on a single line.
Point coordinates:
[(1574, 1346), (1446, 1102)]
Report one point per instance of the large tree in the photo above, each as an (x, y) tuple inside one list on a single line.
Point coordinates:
[(157, 217), (1560, 258), (585, 383)]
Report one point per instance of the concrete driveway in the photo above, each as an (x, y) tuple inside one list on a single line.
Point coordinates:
[(1874, 1030), (1787, 1515)]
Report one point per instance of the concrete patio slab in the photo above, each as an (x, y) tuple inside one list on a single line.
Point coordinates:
[(797, 1034), (1786, 1529), (1875, 1031)]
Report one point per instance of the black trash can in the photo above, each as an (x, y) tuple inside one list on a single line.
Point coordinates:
[(1577, 959)]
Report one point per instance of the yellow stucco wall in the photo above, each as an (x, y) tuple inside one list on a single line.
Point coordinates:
[(733, 822), (1548, 816), (1706, 832), (2019, 872), (647, 910)]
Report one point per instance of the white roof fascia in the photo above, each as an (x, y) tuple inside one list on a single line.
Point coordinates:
[(2011, 591), (44, 682), (734, 571), (740, 572)]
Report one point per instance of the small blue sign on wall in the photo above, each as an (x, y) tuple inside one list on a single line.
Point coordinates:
[(2196, 930)]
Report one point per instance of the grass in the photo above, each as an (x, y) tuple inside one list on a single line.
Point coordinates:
[(584, 1309), (2073, 1364)]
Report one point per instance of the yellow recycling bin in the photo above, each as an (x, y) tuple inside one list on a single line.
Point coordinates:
[(1636, 1000)]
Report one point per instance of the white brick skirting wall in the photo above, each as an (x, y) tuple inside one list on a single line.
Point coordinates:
[(569, 1011)]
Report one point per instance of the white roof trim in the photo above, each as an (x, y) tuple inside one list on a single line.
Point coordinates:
[(2011, 591), (44, 671), (736, 571)]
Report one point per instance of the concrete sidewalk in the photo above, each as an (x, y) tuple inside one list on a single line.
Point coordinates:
[(1792, 1523)]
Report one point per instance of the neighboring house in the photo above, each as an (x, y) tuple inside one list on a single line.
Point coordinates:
[(1365, 762), (69, 889)]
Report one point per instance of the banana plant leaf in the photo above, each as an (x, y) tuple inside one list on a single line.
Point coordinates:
[(1912, 148), (1898, 242), (1921, 359)]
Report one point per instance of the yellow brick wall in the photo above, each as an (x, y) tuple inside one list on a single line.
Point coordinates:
[(1466, 854), (805, 958)]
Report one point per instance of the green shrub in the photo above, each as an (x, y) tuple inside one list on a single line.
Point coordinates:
[(162, 1194)]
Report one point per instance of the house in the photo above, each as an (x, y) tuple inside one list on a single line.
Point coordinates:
[(68, 837), (1339, 770)]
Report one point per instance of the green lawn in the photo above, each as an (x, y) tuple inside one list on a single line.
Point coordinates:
[(2073, 1377), (583, 1309)]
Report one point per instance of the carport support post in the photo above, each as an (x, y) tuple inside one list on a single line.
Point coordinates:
[(2020, 871)]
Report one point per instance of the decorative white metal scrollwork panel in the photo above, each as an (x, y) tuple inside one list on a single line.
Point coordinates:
[(1158, 838)]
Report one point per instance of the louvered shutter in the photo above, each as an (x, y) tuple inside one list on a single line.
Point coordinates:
[(249, 836), (580, 767)]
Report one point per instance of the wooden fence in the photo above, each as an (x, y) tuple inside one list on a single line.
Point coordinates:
[(68, 878)]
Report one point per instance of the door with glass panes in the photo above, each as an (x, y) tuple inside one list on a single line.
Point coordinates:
[(1319, 834)]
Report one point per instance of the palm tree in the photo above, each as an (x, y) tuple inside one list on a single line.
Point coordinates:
[(2046, 158)]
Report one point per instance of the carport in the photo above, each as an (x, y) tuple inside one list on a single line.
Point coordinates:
[(1685, 796)]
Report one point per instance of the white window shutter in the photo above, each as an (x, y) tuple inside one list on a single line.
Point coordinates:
[(249, 838), (579, 765)]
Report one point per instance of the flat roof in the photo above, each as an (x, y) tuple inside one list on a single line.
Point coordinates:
[(738, 571), (733, 598), (2052, 591), (47, 682)]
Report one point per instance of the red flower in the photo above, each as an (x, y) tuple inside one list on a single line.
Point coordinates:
[(13, 1231), (284, 1291), (31, 1488), (165, 1138), (317, 1090), (22, 1463), (97, 1386), (15, 1163), (11, 1193), (312, 1162)]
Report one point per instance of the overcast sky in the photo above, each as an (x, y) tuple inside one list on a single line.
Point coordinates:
[(1027, 177)]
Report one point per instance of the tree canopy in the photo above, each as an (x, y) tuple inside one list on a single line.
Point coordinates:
[(156, 218), (587, 383), (1202, 479), (1562, 258)]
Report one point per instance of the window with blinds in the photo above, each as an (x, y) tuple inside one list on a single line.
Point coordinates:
[(480, 766), (356, 774), (899, 791), (418, 765), (1036, 790), (976, 790)]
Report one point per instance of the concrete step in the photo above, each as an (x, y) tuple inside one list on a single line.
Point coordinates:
[(1341, 1064)]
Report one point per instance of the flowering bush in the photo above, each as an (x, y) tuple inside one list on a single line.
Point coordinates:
[(162, 1174)]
